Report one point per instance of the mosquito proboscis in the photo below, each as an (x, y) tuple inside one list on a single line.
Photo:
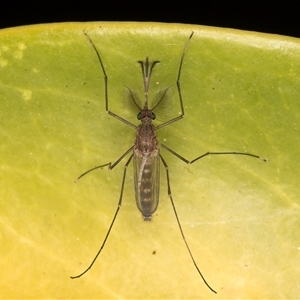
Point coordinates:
[(145, 153)]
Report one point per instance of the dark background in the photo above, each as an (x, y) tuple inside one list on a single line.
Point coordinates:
[(265, 16)]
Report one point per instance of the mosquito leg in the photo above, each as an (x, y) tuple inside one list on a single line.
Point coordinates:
[(90, 170), (110, 165), (226, 153), (113, 220), (178, 87), (211, 153), (106, 85), (178, 222)]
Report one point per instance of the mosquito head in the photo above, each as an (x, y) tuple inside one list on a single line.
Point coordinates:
[(146, 113)]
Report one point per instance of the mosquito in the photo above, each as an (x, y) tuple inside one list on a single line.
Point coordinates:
[(145, 152)]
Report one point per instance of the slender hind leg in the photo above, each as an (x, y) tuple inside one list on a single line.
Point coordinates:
[(114, 218), (179, 225)]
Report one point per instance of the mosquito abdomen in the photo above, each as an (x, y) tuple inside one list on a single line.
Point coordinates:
[(146, 183)]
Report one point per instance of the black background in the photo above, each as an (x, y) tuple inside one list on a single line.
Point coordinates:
[(265, 16)]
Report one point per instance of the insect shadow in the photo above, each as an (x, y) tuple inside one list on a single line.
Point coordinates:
[(145, 152)]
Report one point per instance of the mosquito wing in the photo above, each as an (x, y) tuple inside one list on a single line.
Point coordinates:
[(146, 182)]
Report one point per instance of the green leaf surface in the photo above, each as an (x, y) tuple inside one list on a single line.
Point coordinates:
[(240, 215)]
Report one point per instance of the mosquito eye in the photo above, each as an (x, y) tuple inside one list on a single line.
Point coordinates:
[(139, 116), (153, 116)]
